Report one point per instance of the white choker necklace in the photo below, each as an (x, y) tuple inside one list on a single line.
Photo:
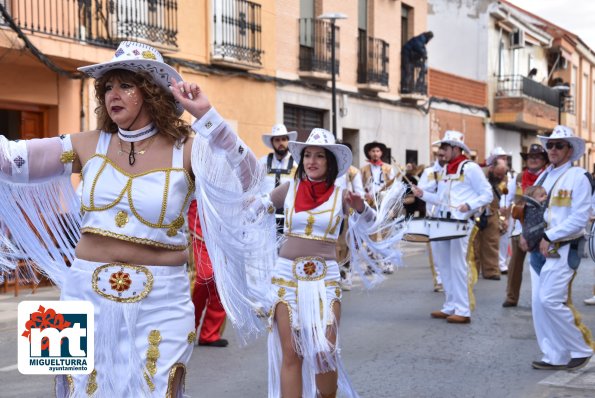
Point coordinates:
[(137, 135)]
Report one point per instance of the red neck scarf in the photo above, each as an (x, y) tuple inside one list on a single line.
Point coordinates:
[(376, 162), (453, 165), (528, 178), (311, 194)]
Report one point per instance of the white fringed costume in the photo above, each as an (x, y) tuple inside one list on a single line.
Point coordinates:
[(143, 313), (309, 285)]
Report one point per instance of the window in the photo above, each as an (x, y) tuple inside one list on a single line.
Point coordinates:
[(411, 156), (406, 24), (302, 119), (584, 100)]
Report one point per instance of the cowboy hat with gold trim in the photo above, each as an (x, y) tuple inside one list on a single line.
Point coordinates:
[(565, 133), (278, 130), (453, 138), (323, 138), (137, 57)]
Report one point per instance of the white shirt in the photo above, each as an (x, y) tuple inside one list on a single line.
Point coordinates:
[(428, 181), (355, 185), (471, 188), (269, 181), (570, 201), (377, 184)]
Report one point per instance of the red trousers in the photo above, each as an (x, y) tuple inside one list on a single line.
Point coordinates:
[(205, 297)]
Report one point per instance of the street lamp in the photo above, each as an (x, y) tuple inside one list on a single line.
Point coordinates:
[(333, 16), (562, 92)]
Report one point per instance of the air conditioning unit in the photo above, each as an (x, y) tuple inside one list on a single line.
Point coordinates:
[(517, 39)]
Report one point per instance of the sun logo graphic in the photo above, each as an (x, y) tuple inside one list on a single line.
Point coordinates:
[(55, 337)]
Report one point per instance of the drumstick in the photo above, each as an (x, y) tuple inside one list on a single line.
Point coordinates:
[(400, 170)]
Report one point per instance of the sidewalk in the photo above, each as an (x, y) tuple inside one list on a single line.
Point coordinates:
[(9, 303)]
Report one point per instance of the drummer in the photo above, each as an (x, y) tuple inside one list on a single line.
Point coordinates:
[(462, 191), (429, 182)]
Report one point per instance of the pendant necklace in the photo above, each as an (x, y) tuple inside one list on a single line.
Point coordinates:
[(133, 136)]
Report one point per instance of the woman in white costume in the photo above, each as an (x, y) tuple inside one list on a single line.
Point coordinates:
[(303, 346), (140, 170)]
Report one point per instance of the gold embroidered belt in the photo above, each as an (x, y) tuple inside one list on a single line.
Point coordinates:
[(123, 283), (309, 269)]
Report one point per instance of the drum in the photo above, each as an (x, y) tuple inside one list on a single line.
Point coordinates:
[(446, 228), (591, 242), (417, 230)]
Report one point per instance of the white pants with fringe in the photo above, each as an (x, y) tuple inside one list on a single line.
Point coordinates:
[(309, 287), (144, 328)]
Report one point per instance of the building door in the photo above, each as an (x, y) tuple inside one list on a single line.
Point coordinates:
[(32, 125)]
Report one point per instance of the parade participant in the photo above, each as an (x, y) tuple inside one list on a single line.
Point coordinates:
[(499, 153), (536, 159), (303, 346), (376, 177), (462, 191), (139, 170), (429, 182), (487, 241), (350, 181), (564, 341), (413, 206), (205, 296), (279, 164)]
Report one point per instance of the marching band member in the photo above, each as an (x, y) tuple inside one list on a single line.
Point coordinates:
[(429, 182), (280, 166), (462, 191), (537, 160), (563, 339)]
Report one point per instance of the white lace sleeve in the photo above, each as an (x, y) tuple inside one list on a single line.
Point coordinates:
[(35, 160), (39, 206), (239, 231)]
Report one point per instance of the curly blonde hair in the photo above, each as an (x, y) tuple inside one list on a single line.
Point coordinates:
[(161, 104)]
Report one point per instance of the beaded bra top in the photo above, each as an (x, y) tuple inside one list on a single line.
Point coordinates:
[(321, 223), (147, 208)]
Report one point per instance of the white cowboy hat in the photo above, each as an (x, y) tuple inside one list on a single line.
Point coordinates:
[(453, 138), (137, 57), (278, 130), (496, 152), (323, 138), (565, 133)]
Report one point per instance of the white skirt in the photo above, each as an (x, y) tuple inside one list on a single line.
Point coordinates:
[(144, 328), (309, 288)]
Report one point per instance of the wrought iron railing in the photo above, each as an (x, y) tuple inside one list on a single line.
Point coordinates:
[(521, 86), (316, 46), (101, 22), (567, 104), (237, 31), (372, 65)]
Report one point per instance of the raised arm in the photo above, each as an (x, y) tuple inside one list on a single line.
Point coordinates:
[(35, 160), (211, 126)]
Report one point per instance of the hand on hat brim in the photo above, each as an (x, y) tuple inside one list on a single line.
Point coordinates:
[(191, 97)]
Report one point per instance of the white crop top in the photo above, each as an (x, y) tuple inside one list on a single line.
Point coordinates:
[(321, 223), (147, 208)]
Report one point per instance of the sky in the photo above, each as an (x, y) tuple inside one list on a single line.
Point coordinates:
[(575, 16)]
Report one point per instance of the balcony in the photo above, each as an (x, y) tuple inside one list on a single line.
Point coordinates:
[(372, 65), (237, 34), (522, 103), (99, 22), (315, 49)]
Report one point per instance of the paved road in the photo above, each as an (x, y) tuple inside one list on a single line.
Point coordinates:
[(391, 347)]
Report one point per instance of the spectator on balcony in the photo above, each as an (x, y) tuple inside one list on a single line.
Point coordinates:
[(414, 55)]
